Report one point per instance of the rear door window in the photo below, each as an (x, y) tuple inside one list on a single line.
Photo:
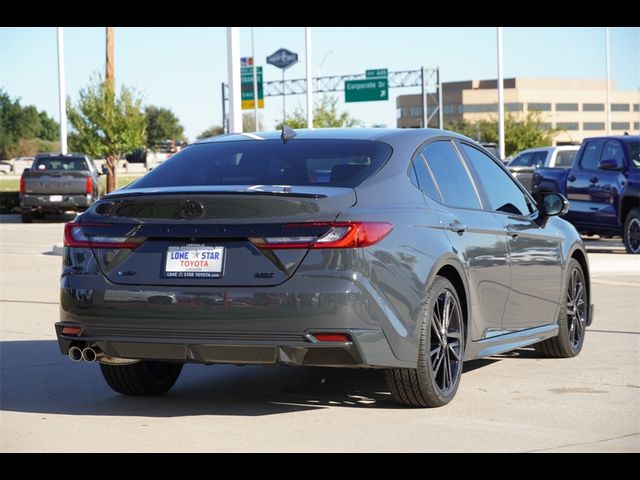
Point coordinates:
[(522, 160), (591, 155), (451, 175), (564, 158)]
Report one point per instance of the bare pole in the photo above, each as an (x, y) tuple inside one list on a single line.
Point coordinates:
[(440, 106), (110, 58), (225, 128), (255, 84), (62, 94), (233, 72), (307, 36), (500, 97), (284, 96), (423, 97), (606, 47)]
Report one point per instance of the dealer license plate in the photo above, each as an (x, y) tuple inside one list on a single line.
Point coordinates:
[(194, 261), (55, 198)]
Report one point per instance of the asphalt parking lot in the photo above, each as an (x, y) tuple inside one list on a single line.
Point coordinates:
[(508, 403)]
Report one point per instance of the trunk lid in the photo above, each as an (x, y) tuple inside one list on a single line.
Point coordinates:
[(210, 223)]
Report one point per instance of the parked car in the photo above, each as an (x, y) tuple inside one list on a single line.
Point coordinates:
[(526, 162), (57, 183), (6, 166), (418, 252), (603, 185)]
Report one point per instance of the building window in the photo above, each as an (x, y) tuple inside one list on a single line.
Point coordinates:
[(545, 126), (619, 107), (541, 107), (636, 125), (567, 125), (398, 112), (593, 126), (480, 107), (636, 107), (415, 112), (513, 107), (566, 107), (620, 125), (593, 107)]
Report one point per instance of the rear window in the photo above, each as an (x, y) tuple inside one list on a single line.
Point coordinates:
[(59, 163), (335, 163)]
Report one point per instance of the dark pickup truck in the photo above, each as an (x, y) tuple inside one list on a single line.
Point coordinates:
[(603, 188), (57, 183)]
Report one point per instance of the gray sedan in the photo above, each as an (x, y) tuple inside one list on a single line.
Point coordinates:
[(410, 251)]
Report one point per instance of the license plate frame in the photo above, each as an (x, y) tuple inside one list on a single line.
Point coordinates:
[(172, 268)]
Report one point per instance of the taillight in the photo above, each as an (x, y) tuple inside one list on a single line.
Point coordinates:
[(89, 185), (331, 337), (339, 235), (21, 184), (74, 236)]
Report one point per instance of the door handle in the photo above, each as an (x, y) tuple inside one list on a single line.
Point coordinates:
[(594, 179), (512, 232), (457, 227), (571, 178)]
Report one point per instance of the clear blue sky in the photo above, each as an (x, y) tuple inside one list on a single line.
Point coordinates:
[(182, 68)]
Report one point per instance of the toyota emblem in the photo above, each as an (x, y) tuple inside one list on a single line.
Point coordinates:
[(191, 209)]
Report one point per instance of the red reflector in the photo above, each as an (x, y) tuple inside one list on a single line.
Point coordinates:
[(71, 331), (89, 185), (332, 337), (21, 184)]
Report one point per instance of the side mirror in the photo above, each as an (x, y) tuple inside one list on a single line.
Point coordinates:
[(609, 164), (553, 204), (105, 170)]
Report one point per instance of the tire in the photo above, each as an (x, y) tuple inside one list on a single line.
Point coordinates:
[(144, 378), (631, 231), (572, 319), (26, 217), (428, 385)]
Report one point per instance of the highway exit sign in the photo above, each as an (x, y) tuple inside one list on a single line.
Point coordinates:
[(367, 90)]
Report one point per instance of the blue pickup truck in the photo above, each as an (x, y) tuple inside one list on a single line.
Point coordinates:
[(603, 188)]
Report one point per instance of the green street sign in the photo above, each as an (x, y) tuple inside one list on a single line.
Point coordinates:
[(246, 87), (367, 90), (377, 73)]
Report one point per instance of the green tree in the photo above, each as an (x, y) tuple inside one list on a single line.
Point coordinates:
[(106, 125), (162, 124), (325, 115), (211, 132), (23, 128), (518, 134)]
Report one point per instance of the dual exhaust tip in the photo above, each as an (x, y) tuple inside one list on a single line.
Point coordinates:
[(88, 354)]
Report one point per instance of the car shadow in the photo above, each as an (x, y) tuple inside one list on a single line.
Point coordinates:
[(36, 378)]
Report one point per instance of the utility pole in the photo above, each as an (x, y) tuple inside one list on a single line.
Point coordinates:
[(500, 97), (110, 58), (255, 84), (423, 96), (62, 92)]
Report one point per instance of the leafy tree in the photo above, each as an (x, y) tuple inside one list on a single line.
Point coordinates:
[(518, 135), (162, 124), (211, 132), (22, 127), (106, 124), (325, 115)]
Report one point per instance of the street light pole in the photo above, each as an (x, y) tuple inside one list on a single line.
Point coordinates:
[(233, 66), (500, 97), (606, 46), (62, 93)]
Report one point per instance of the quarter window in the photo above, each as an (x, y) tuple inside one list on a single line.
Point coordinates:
[(503, 193), (451, 175), (425, 181)]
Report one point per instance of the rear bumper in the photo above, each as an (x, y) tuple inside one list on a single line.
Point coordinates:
[(43, 203), (265, 325)]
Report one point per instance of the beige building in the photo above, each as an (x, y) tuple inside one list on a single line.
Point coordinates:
[(576, 107)]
